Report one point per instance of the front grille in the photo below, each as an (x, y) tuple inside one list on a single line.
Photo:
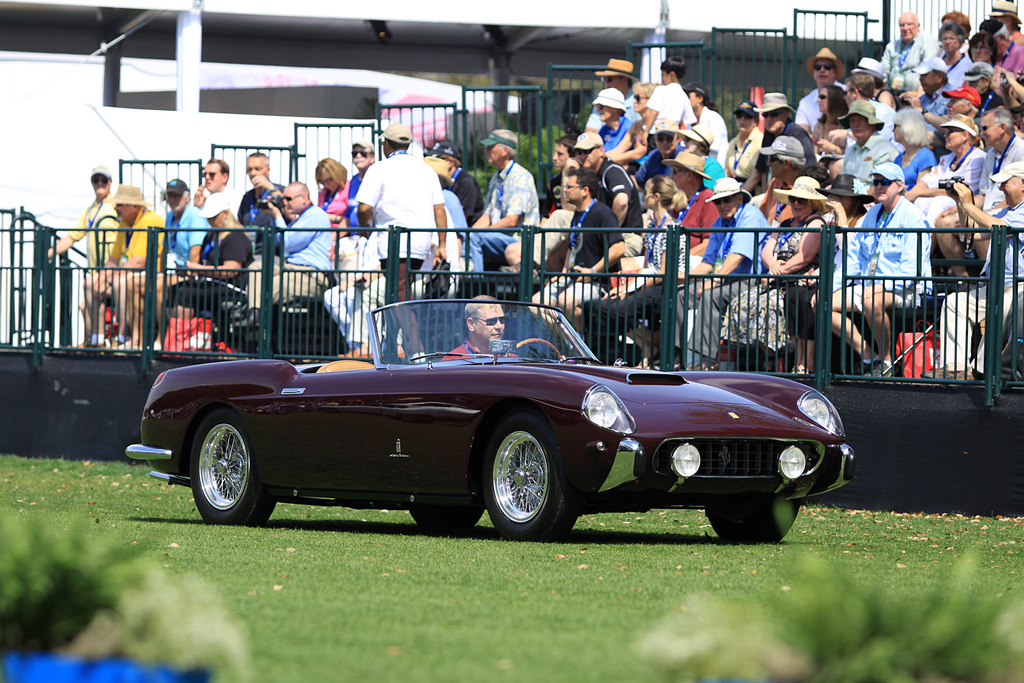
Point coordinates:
[(733, 457)]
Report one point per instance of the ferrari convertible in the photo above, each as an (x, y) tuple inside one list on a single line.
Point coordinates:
[(484, 405)]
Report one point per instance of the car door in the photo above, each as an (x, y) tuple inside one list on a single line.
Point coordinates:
[(328, 429)]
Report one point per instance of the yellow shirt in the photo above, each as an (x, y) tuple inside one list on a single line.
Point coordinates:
[(741, 156), (130, 244), (97, 216)]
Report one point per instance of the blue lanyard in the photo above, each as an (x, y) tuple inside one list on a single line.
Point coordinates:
[(956, 166), (92, 219), (736, 159), (208, 246), (469, 349), (574, 237), (999, 164), (651, 237), (991, 94), (457, 173), (689, 205), (329, 198), (906, 53), (253, 209), (500, 192)]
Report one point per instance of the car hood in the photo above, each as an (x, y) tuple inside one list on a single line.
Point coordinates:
[(706, 401)]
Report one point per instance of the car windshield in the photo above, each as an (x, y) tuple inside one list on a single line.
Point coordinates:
[(473, 329)]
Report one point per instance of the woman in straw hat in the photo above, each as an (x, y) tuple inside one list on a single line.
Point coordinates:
[(758, 317)]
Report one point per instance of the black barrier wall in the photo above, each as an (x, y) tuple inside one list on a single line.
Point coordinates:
[(919, 448)]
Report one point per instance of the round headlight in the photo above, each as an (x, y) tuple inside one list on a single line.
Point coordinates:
[(686, 460), (821, 411), (792, 462), (602, 407)]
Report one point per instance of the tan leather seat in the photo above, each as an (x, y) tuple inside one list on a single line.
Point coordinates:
[(345, 364)]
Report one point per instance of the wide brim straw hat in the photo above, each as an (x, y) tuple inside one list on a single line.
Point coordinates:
[(130, 195), (825, 54), (804, 188)]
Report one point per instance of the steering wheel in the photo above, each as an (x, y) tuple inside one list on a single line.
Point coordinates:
[(538, 340)]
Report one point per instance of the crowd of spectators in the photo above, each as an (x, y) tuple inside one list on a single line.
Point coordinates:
[(925, 138)]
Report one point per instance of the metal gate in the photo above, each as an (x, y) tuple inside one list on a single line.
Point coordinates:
[(152, 176), (519, 109), (237, 158), (316, 141)]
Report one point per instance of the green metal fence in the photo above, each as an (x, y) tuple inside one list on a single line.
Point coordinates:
[(152, 176), (314, 142), (280, 159)]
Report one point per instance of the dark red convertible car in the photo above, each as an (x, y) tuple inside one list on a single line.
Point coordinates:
[(490, 405)]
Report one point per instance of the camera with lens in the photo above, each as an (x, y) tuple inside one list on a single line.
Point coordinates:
[(948, 183), (275, 199)]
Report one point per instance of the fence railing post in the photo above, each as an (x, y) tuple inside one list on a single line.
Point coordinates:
[(994, 314), (823, 311)]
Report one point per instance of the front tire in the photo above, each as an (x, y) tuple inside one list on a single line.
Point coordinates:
[(225, 481), (527, 494), (765, 522)]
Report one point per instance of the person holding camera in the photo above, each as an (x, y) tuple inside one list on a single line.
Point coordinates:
[(962, 311), (252, 210), (304, 242), (965, 160)]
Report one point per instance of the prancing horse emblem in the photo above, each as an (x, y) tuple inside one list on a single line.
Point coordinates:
[(723, 455)]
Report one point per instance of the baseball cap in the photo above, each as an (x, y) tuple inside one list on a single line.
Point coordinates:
[(890, 171), (444, 148), (398, 132), (1014, 170), (967, 92), (785, 146), (103, 171), (979, 70), (499, 137), (664, 126), (610, 97), (176, 186), (931, 64), (588, 140)]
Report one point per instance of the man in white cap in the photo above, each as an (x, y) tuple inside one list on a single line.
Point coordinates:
[(401, 190), (99, 214), (826, 69), (962, 311), (904, 53), (932, 75), (611, 108), (666, 146), (886, 253), (873, 68), (727, 253), (618, 74)]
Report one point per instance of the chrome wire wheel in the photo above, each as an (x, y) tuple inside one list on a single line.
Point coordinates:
[(223, 466), (520, 476)]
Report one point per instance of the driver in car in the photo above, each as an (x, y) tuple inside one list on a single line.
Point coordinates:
[(485, 320)]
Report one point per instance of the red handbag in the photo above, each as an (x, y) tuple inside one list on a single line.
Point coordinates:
[(918, 351)]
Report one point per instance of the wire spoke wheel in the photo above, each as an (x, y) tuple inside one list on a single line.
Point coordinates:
[(520, 476), (223, 466)]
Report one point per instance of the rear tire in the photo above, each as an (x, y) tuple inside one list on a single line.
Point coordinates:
[(441, 518), (527, 494), (225, 480), (767, 521)]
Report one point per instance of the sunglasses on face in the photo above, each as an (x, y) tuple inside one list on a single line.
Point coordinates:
[(822, 97), (580, 152), (744, 115), (664, 138), (799, 200), (361, 153), (211, 174), (881, 182), (718, 201), (288, 199), (824, 67), (491, 322), (773, 114), (99, 180)]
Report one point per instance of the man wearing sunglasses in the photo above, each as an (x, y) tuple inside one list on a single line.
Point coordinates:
[(305, 242), (485, 320), (99, 214), (826, 69), (216, 175), (887, 256), (667, 146)]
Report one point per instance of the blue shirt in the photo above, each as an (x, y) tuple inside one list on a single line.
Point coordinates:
[(1014, 245), (454, 206), (353, 205), (612, 138), (898, 252), (307, 239), (936, 104), (924, 159), (721, 244), (654, 165), (185, 233)]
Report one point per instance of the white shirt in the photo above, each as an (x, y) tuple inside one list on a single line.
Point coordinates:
[(713, 120), (807, 111), (403, 191), (672, 102), (1015, 153)]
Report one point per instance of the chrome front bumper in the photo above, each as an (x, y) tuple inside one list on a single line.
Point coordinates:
[(137, 451)]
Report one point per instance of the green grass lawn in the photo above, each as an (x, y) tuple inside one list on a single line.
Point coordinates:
[(339, 594)]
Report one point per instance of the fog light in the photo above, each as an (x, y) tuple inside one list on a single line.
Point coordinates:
[(792, 462), (686, 460)]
